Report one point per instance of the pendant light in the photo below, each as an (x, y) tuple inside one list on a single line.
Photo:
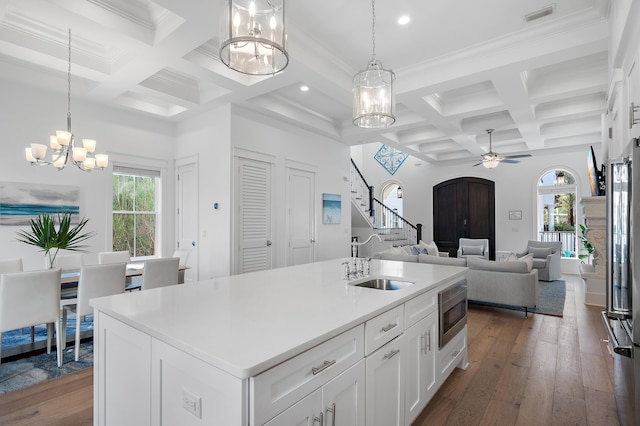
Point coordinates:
[(253, 35), (373, 94), (64, 144)]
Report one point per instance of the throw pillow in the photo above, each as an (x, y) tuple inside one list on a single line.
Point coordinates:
[(491, 265), (511, 258), (540, 253), (431, 248), (528, 259), (472, 250), (415, 250), (407, 250)]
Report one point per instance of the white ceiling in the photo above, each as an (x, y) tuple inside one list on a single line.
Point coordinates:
[(461, 67)]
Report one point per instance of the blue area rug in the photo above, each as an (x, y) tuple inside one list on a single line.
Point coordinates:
[(550, 299), (14, 338)]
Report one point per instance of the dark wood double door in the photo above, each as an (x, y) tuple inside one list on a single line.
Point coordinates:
[(464, 208)]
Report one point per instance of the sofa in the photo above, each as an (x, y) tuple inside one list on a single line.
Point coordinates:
[(546, 258), (513, 282)]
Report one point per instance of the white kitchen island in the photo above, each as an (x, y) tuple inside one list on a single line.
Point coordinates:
[(271, 346)]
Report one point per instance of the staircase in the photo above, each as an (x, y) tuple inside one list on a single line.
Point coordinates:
[(393, 228)]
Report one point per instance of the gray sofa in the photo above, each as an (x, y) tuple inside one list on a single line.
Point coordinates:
[(512, 283)]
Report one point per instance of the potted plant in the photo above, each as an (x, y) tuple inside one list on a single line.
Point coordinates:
[(54, 232), (585, 243)]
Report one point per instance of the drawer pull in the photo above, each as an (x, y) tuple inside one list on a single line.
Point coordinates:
[(324, 366), (389, 327), (392, 354), (455, 354)]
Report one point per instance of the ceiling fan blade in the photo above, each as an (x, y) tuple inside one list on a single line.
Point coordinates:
[(477, 164), (517, 156), (509, 161)]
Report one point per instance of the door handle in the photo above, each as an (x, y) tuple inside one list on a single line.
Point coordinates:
[(193, 243), (313, 241), (269, 243)]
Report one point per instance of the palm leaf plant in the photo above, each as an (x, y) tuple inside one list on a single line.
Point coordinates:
[(585, 243), (54, 232)]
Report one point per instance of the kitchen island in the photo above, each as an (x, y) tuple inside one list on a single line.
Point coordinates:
[(235, 350)]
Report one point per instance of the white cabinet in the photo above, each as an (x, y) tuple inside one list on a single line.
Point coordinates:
[(339, 402), (385, 384), (633, 95), (420, 365)]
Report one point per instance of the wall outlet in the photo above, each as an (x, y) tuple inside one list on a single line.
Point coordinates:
[(192, 403)]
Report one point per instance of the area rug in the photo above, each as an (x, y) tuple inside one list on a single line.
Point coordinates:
[(14, 338), (26, 372), (550, 299)]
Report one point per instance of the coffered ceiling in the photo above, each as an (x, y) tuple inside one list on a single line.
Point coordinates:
[(461, 67)]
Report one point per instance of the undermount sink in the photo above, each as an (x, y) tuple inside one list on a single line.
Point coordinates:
[(383, 284)]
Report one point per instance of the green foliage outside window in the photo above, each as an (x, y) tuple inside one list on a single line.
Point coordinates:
[(134, 216)]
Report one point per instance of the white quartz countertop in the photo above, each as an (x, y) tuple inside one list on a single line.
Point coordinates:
[(245, 324)]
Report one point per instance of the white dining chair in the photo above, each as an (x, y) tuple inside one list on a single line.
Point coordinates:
[(95, 281), (31, 298), (70, 262), (122, 256), (160, 272), (183, 255), (10, 265)]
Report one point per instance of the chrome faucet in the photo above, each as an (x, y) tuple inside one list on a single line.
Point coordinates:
[(355, 244)]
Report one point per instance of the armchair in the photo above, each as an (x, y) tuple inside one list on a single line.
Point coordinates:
[(473, 247), (546, 258)]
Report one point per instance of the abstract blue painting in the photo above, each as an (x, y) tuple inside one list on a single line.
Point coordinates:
[(21, 202), (390, 158), (331, 208)]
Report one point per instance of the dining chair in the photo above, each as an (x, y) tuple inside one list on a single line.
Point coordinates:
[(10, 265), (160, 272), (95, 281), (114, 257), (31, 298), (70, 261), (183, 255)]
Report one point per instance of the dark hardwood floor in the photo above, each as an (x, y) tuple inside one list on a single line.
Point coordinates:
[(538, 371)]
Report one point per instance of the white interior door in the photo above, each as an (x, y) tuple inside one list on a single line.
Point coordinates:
[(301, 216), (254, 215), (188, 217)]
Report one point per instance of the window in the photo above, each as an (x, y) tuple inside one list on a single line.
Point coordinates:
[(136, 210), (557, 210)]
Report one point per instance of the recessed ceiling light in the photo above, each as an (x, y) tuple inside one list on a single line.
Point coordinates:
[(404, 20), (304, 88)]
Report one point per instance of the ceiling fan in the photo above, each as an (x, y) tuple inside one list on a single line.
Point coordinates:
[(491, 159)]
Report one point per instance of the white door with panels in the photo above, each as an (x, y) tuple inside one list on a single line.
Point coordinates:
[(187, 193), (254, 212), (300, 216)]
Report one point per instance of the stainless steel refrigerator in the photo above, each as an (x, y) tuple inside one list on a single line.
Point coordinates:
[(622, 316)]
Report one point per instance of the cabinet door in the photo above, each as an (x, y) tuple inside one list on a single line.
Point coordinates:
[(420, 365), (385, 384), (306, 412), (344, 398)]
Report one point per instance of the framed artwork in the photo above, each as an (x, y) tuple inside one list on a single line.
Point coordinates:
[(21, 202), (515, 214), (390, 158), (331, 208)]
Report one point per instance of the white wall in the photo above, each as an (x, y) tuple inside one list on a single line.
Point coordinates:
[(515, 189), (29, 115), (260, 134), (208, 138)]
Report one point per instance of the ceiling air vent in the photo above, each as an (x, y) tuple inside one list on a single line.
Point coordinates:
[(541, 13)]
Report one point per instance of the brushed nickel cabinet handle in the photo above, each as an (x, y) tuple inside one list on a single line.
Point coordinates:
[(429, 340), (332, 410), (389, 327), (319, 419), (324, 366), (392, 354)]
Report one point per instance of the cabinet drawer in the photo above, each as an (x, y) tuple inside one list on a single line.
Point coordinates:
[(420, 307), (383, 328), (283, 385), (452, 353)]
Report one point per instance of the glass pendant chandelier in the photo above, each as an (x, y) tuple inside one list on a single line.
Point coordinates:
[(374, 102), (253, 36), (64, 145)]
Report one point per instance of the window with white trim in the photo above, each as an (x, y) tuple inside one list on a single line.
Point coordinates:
[(557, 192), (136, 210)]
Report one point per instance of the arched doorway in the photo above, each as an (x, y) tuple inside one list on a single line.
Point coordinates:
[(392, 196)]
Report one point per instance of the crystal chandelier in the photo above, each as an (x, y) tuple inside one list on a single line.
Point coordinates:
[(63, 144), (253, 36), (373, 95)]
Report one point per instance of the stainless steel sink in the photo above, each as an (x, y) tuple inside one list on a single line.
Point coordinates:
[(383, 284)]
